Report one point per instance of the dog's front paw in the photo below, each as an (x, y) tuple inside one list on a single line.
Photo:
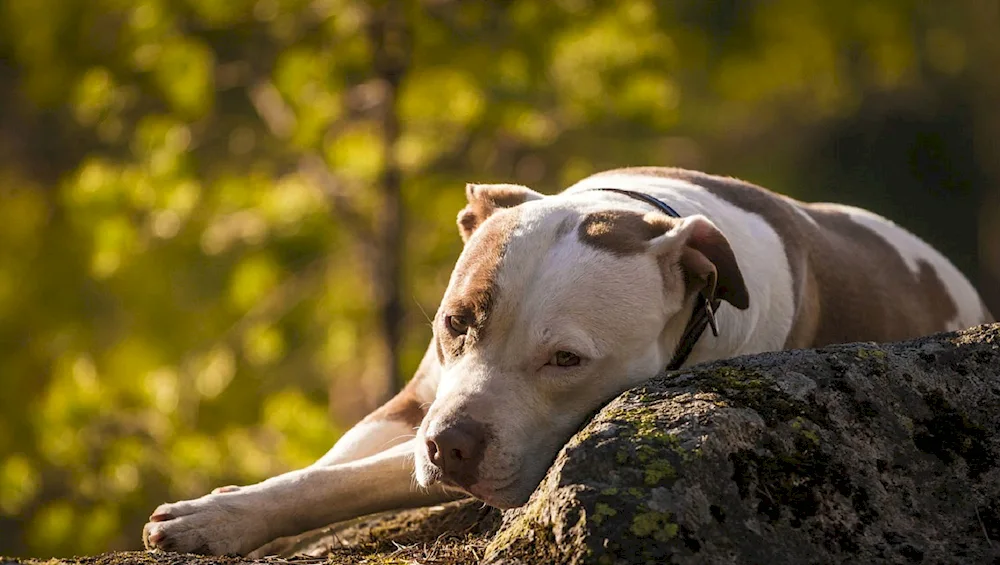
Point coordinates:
[(216, 524)]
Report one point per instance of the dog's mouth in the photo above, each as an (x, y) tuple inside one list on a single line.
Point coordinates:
[(494, 493), (499, 494)]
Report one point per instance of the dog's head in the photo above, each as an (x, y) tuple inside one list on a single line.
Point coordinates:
[(555, 305)]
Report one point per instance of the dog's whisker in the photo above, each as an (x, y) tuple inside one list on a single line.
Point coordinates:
[(420, 307), (401, 436)]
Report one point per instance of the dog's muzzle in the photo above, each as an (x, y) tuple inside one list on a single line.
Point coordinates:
[(456, 448)]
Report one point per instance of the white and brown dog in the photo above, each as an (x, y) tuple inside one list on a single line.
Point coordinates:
[(559, 303)]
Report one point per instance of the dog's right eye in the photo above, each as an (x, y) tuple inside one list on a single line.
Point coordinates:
[(457, 324), (564, 359)]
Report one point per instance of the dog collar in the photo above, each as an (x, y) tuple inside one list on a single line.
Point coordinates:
[(647, 198), (704, 313)]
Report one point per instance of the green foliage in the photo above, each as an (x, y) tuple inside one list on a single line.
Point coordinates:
[(188, 198)]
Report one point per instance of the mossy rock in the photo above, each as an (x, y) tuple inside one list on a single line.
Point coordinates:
[(851, 454)]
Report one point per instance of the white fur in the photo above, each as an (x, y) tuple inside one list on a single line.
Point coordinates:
[(243, 520), (366, 439)]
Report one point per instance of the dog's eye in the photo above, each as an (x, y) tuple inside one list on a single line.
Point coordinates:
[(457, 324), (564, 359)]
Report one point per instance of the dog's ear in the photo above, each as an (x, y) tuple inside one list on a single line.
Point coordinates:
[(704, 255), (485, 199)]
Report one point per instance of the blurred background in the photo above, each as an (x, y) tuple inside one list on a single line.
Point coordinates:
[(225, 223)]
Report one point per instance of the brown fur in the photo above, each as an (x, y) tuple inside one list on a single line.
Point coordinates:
[(485, 199), (708, 256), (850, 284), (882, 295), (473, 290), (622, 232)]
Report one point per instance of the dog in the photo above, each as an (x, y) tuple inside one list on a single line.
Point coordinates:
[(559, 303)]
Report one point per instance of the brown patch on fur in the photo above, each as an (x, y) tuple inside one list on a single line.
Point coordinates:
[(849, 283), (408, 406), (863, 280), (706, 258), (473, 288), (622, 232), (485, 200)]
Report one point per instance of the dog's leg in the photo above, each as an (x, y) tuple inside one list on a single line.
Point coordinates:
[(241, 521), (375, 456), (391, 424)]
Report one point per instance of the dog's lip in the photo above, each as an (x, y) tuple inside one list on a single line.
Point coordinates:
[(489, 492), (450, 483)]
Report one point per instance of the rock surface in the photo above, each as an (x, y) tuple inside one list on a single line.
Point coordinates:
[(858, 453), (851, 454)]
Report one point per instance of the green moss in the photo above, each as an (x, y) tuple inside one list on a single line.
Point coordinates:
[(907, 422), (640, 417), (522, 530), (735, 378), (802, 426), (644, 453), (653, 524), (602, 511), (610, 491), (870, 353), (657, 471), (757, 391)]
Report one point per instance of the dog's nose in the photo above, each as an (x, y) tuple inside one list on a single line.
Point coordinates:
[(457, 450)]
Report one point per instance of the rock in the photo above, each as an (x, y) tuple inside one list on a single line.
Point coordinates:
[(858, 453)]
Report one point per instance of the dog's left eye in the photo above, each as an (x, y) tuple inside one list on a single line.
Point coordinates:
[(457, 324), (564, 359)]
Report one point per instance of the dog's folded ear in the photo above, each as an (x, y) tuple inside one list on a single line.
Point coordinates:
[(704, 255), (485, 199)]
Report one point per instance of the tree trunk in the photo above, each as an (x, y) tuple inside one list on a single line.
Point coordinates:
[(389, 38)]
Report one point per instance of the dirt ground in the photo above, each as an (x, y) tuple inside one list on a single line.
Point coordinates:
[(454, 533)]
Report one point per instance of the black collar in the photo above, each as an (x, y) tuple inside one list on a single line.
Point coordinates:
[(704, 311), (663, 206)]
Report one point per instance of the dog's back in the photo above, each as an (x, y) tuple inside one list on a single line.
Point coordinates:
[(855, 276)]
